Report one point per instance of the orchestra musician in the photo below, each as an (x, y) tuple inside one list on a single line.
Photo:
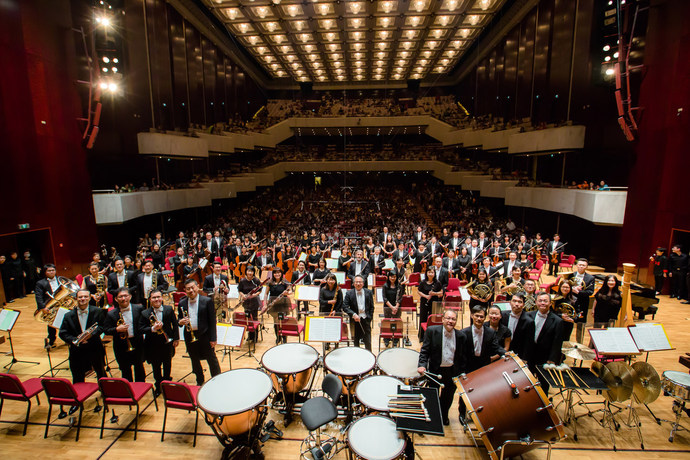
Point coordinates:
[(451, 264), (399, 269), (250, 302), (121, 278), (320, 272), (554, 249), (443, 352), (502, 332), (430, 290), (197, 313), (455, 242), (43, 291), (358, 267), (359, 305), (97, 284), (383, 236), (216, 281), (161, 336), (389, 246), (329, 303), (296, 275), (376, 261), (484, 343), (89, 353), (474, 251), (181, 242), (482, 279), (313, 259), (401, 253), (441, 272), (157, 257), (514, 282), (391, 300), (495, 253), (509, 264), (419, 236), (278, 301), (565, 295), (519, 325), (659, 261), (158, 240), (210, 244), (345, 258), (220, 243), (545, 345), (122, 323), (483, 241), (421, 258), (264, 262), (464, 264), (179, 259), (607, 301), (434, 247), (146, 282), (582, 288)]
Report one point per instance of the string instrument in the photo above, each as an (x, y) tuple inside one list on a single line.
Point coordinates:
[(204, 267), (424, 263), (240, 266), (537, 250), (290, 263), (554, 254), (285, 292), (250, 293)]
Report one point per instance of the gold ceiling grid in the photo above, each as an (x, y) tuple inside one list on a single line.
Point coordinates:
[(324, 41)]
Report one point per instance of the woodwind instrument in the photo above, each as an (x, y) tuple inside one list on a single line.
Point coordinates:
[(251, 293), (335, 297), (125, 335), (284, 293)]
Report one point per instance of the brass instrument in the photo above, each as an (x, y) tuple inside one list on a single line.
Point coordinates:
[(565, 308), (188, 326), (220, 300), (154, 321), (84, 335), (154, 283), (100, 288), (512, 288), (124, 335), (482, 292), (64, 296), (530, 302)]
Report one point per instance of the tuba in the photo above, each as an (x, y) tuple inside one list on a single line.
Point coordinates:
[(64, 296)]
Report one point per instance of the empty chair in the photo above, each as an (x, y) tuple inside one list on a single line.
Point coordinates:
[(391, 329), (289, 327), (566, 262), (13, 388), (61, 391), (318, 411), (453, 288), (121, 392), (409, 307), (179, 395)]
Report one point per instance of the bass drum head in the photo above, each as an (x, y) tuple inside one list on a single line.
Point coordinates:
[(400, 363), (375, 438)]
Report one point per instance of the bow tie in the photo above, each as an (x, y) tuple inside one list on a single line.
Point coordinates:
[(124, 309), (541, 315), (513, 315)]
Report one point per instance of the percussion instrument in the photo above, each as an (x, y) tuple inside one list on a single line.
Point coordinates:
[(577, 351), (508, 407), (400, 363), (375, 391), (375, 438), (350, 364), (234, 402), (291, 365), (647, 384), (619, 377), (676, 384)]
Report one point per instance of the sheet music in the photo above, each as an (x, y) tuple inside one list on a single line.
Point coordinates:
[(59, 317), (229, 335), (614, 341), (332, 264), (379, 294), (370, 279), (650, 337), (335, 254), (233, 293), (464, 294), (339, 277), (221, 330), (9, 317), (388, 264), (308, 293), (302, 256), (323, 329)]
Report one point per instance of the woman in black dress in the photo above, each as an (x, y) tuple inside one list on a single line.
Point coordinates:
[(389, 246), (565, 295), (92, 281), (278, 305), (158, 257), (464, 262), (607, 301), (494, 322), (482, 279), (320, 272), (199, 251), (313, 259), (328, 292), (430, 290), (391, 303), (251, 303)]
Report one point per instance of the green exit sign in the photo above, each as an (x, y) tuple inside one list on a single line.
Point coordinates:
[(23, 226)]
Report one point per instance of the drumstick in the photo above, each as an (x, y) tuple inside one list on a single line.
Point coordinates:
[(577, 376)]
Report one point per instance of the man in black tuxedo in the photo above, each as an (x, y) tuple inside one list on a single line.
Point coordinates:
[(148, 280), (443, 352), (376, 261), (418, 236), (210, 244), (121, 278), (442, 274), (263, 260), (197, 312), (509, 264), (43, 291), (161, 337), (482, 343), (214, 280), (401, 253), (583, 288), (434, 247), (128, 343), (545, 344), (181, 241), (451, 264), (220, 243), (554, 247), (359, 267), (359, 304), (383, 236), (521, 327), (89, 353), (455, 242)]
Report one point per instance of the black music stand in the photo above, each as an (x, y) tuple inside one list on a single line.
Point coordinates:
[(54, 369), (8, 320)]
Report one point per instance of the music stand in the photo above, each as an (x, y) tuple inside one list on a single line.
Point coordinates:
[(56, 324), (8, 318)]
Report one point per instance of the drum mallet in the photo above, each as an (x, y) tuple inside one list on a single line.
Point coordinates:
[(434, 377)]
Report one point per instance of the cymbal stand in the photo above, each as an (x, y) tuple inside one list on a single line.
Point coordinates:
[(609, 421), (406, 340), (634, 421)]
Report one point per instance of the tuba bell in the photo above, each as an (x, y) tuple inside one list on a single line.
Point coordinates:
[(64, 296)]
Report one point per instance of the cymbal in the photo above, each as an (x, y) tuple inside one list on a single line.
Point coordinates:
[(647, 384), (577, 351), (619, 379)]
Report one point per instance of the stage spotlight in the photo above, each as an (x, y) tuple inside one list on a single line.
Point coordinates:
[(105, 59), (607, 47), (615, 55), (105, 69), (103, 85), (116, 60), (114, 69), (610, 72), (112, 87), (104, 21), (607, 58)]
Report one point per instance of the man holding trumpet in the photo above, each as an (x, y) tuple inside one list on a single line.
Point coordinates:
[(161, 336)]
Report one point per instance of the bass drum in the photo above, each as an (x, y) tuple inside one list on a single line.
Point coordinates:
[(291, 363), (234, 402), (501, 415)]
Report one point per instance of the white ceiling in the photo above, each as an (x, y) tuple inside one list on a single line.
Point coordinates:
[(330, 41)]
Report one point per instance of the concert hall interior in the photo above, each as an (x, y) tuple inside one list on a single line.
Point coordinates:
[(345, 228)]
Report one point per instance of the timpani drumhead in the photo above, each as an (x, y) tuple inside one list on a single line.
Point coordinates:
[(375, 391), (350, 361), (235, 391), (375, 438), (289, 358), (401, 363)]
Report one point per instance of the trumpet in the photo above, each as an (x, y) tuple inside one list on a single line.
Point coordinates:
[(125, 335), (188, 326), (154, 321), (81, 338)]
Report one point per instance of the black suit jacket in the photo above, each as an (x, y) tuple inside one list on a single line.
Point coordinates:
[(350, 303), (113, 285), (70, 330), (208, 282), (548, 346), (214, 246), (523, 335), (41, 291), (432, 348), (490, 347), (259, 263), (206, 318), (454, 265), (404, 255), (156, 347), (365, 270), (110, 326), (379, 263), (296, 275), (161, 283), (508, 273), (443, 277)]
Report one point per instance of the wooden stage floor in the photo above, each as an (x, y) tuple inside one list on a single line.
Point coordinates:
[(593, 441)]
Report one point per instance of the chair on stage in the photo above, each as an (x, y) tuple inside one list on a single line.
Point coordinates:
[(380, 280), (345, 334), (391, 329), (347, 284), (409, 307), (290, 327), (179, 395), (535, 273), (61, 391), (567, 262), (413, 280), (317, 412), (13, 388), (240, 318), (121, 392), (453, 288), (177, 296), (432, 320)]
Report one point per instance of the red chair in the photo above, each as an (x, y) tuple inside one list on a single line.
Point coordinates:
[(344, 333), (61, 391), (408, 306), (79, 278), (13, 388), (121, 392), (109, 297), (391, 329), (380, 280), (347, 284), (567, 263), (177, 296), (289, 327), (179, 395), (432, 320), (240, 319), (453, 288)]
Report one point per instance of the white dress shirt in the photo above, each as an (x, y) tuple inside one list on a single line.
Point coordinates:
[(513, 322), (448, 348), (193, 312), (83, 316), (148, 281), (129, 321), (361, 304), (159, 313), (121, 277), (216, 281), (539, 321), (477, 337), (54, 284)]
